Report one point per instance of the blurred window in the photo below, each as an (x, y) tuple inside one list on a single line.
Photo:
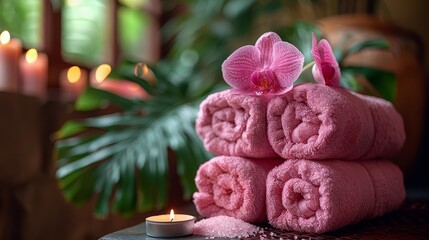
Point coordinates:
[(89, 28), (85, 25), (139, 32)]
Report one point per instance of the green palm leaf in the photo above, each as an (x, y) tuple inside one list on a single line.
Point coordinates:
[(122, 158)]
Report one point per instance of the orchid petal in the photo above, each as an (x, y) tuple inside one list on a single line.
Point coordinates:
[(326, 53), (269, 67), (326, 69), (265, 45), (287, 63), (264, 82), (315, 51), (317, 74), (239, 66), (335, 81)]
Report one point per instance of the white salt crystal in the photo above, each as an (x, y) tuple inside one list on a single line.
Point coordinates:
[(224, 226)]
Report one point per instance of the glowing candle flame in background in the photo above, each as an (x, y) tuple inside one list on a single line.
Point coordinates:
[(102, 72), (140, 70), (73, 74), (4, 37), (31, 55)]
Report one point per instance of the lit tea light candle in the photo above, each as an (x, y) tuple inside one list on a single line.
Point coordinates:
[(10, 51), (34, 73), (73, 81), (170, 225)]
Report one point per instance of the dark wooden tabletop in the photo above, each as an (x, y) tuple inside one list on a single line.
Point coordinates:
[(411, 221)]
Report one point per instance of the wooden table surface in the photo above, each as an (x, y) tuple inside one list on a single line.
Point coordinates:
[(411, 221)]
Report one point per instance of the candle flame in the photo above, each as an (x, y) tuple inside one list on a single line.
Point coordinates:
[(4, 37), (171, 215), (140, 70), (102, 72), (145, 69), (73, 74), (31, 55)]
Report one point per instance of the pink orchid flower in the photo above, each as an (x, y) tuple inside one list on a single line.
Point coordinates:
[(269, 67), (326, 69)]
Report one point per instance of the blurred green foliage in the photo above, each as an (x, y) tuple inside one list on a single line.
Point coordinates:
[(23, 19)]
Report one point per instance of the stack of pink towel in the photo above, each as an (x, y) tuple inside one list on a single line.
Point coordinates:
[(311, 160)]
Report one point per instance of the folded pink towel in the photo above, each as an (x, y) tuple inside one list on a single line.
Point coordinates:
[(233, 186), (234, 124), (322, 196), (314, 121)]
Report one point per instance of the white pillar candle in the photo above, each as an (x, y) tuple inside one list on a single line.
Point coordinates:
[(73, 81), (10, 50), (34, 73)]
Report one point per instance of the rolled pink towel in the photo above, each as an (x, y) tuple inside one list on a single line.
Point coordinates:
[(234, 124), (233, 186), (314, 121), (321, 196)]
